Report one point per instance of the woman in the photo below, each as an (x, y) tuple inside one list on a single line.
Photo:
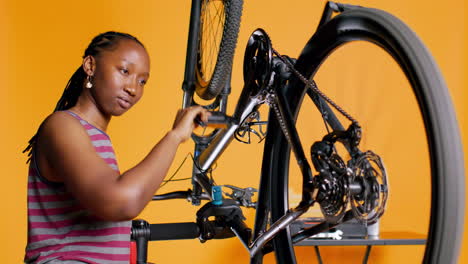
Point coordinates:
[(79, 204)]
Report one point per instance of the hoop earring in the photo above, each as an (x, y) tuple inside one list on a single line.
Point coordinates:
[(89, 85)]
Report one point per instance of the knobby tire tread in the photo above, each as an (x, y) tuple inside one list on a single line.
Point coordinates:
[(228, 44)]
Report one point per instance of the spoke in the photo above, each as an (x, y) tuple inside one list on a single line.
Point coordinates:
[(209, 40), (201, 48), (212, 39), (206, 47), (215, 46), (221, 18), (206, 39), (212, 25), (202, 37)]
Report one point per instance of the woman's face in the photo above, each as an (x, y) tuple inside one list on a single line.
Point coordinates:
[(120, 76)]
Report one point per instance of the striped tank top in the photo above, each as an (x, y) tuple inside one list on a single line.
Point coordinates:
[(61, 231)]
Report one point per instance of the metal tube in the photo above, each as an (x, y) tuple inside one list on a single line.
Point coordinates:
[(286, 121), (320, 228), (222, 140), (217, 147), (205, 183), (280, 224), (192, 46), (241, 230)]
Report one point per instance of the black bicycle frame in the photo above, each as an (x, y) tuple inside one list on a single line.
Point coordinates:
[(188, 86), (209, 149), (246, 105)]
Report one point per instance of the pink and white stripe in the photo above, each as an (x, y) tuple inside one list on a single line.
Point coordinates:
[(59, 229)]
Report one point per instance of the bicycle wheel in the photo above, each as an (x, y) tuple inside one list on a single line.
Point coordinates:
[(219, 27), (425, 132)]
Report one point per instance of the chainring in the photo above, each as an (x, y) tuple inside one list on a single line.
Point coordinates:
[(257, 61)]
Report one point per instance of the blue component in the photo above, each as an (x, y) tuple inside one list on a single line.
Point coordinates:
[(217, 195)]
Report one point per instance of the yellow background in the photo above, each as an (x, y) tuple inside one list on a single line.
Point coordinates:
[(41, 46)]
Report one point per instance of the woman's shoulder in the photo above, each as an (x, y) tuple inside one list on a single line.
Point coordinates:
[(59, 118), (61, 122)]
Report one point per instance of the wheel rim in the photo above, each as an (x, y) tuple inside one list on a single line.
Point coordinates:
[(438, 137), (375, 137)]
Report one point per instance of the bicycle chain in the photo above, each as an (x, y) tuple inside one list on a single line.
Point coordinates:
[(279, 117), (312, 85)]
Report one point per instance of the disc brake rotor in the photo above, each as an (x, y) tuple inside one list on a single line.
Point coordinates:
[(369, 172)]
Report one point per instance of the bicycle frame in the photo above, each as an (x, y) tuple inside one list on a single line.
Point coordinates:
[(209, 149)]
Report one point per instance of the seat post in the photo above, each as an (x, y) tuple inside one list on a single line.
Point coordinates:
[(141, 234)]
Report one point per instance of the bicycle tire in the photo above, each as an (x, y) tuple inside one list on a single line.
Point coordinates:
[(210, 81), (444, 143)]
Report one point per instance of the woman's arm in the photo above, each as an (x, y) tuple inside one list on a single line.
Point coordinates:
[(68, 153)]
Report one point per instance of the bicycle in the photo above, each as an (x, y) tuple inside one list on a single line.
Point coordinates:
[(345, 188)]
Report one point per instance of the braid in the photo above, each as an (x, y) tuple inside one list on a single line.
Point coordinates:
[(74, 87)]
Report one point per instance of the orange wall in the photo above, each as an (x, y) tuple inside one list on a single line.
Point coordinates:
[(41, 46)]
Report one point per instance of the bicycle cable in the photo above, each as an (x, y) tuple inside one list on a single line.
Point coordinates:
[(171, 179)]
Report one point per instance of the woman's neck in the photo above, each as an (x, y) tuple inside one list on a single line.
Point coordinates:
[(91, 113)]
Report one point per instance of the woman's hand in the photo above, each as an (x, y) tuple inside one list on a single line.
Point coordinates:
[(184, 123)]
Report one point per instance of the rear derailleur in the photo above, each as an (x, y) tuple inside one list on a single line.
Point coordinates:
[(359, 183)]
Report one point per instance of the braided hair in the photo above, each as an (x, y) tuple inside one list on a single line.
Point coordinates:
[(74, 87)]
